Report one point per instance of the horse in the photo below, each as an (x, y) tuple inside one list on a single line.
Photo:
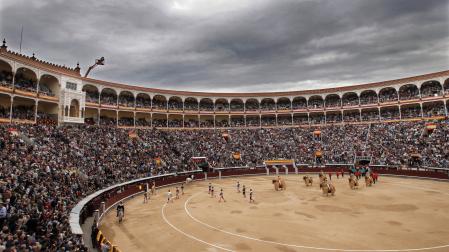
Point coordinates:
[(368, 180), (353, 182), (308, 180), (328, 189), (323, 179), (279, 184)]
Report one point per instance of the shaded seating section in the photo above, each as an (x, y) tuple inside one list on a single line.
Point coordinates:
[(370, 115), (317, 118), (206, 104), (389, 113), (6, 75), (350, 99), (4, 112), (159, 122), (175, 103), (299, 103), (190, 104), (368, 97), (237, 121), (126, 99), (236, 105), (108, 97), (268, 120), (159, 102), (284, 120), (284, 104), (108, 121), (388, 95), (126, 121), (46, 118), (267, 104), (408, 92), (433, 109), (316, 102), (252, 105), (143, 101), (333, 101), (23, 112), (221, 105), (253, 121), (410, 111), (431, 88), (92, 94), (300, 119), (44, 89), (222, 122), (25, 80), (333, 117), (351, 116)]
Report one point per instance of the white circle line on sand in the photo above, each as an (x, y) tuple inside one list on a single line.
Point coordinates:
[(302, 246), (189, 235)]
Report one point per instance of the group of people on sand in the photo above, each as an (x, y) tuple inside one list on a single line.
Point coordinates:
[(211, 192), (178, 191), (243, 191), (148, 190)]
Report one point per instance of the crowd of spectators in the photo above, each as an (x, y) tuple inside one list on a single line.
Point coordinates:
[(430, 89), (333, 102), (207, 106), (190, 105), (408, 92), (4, 112), (350, 100), (268, 105), (108, 99), (25, 84), (92, 96), (299, 103), (45, 170), (126, 101), (388, 95), (44, 89), (368, 98), (5, 78), (236, 106), (160, 104), (141, 102), (23, 112), (175, 105)]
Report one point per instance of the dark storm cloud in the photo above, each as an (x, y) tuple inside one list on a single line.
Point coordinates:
[(245, 45)]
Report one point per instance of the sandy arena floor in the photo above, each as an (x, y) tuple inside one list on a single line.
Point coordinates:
[(396, 214)]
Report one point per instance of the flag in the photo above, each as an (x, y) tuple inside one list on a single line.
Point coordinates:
[(13, 132), (431, 126)]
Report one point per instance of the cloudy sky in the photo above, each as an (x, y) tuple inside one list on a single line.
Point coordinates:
[(235, 45)]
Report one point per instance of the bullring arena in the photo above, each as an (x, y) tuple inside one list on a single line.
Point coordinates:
[(395, 214), (307, 126)]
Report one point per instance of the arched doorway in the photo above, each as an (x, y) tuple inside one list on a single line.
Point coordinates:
[(74, 108)]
